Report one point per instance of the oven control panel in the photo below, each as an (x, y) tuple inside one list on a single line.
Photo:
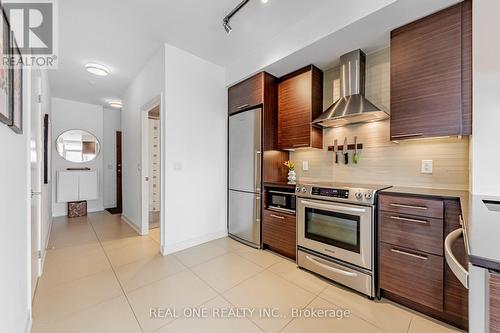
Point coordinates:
[(355, 195), (330, 192)]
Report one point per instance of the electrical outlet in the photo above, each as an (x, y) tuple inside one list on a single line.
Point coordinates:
[(305, 165), (426, 166)]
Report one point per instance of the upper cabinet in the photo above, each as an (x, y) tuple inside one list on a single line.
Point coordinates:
[(431, 70), (300, 100), (260, 90), (246, 94)]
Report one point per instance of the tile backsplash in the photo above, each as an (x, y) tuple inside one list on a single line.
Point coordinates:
[(382, 161)]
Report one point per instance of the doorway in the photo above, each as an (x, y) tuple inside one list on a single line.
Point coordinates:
[(152, 168), (118, 167)]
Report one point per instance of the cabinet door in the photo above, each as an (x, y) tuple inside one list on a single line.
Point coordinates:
[(294, 112), (456, 296), (67, 186), (494, 302), (414, 275), (246, 94), (88, 185), (426, 76), (279, 232)]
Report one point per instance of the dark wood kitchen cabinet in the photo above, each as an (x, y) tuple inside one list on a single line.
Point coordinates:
[(494, 301), (431, 71), (300, 101), (261, 90), (279, 233), (247, 94), (413, 270)]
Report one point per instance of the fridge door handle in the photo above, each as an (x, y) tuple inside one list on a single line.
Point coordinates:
[(257, 208), (257, 170)]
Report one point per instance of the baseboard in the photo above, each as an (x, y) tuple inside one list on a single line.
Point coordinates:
[(131, 224), (179, 246), (29, 322), (92, 210), (44, 250)]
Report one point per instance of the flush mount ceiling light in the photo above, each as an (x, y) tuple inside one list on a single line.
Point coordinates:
[(116, 104), (225, 21), (97, 69)]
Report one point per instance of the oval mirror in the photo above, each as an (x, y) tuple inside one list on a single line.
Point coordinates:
[(78, 146)]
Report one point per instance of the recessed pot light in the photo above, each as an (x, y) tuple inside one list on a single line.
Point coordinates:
[(97, 69), (264, 1), (116, 104)]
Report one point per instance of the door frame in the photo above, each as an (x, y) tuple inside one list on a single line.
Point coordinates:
[(158, 100), (35, 194), (118, 171)]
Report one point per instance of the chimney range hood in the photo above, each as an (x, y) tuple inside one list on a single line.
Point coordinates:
[(352, 107)]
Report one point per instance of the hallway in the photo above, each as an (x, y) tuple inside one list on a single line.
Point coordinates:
[(101, 277)]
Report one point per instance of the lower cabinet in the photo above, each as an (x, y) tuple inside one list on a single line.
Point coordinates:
[(412, 274), (279, 233), (413, 270), (494, 302)]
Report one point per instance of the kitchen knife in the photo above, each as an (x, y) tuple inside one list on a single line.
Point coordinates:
[(336, 150), (355, 157), (345, 152)]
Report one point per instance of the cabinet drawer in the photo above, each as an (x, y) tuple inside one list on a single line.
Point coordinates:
[(412, 206), (417, 233), (246, 94), (414, 275), (278, 232)]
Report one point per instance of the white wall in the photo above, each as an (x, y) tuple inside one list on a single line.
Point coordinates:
[(148, 84), (67, 115), (195, 150), (111, 119), (486, 87), (15, 237)]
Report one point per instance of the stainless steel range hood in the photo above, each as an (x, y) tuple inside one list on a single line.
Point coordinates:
[(352, 107)]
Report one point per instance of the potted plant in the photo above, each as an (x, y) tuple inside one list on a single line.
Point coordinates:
[(292, 175)]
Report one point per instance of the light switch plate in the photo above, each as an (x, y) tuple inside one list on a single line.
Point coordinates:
[(305, 165), (426, 166)]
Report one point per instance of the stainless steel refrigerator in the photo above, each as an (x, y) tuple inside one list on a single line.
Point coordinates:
[(245, 174)]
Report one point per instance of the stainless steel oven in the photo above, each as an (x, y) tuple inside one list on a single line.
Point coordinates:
[(336, 233), (342, 231)]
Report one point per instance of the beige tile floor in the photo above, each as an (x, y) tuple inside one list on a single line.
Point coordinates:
[(100, 276)]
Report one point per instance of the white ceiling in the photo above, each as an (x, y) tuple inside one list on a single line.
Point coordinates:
[(123, 35)]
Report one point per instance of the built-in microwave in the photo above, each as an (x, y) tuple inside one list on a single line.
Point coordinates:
[(281, 199)]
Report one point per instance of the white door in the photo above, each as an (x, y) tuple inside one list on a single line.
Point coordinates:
[(36, 176)]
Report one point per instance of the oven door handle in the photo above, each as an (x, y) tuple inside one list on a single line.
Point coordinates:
[(333, 207), (330, 268)]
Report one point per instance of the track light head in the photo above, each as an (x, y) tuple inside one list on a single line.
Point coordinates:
[(226, 26)]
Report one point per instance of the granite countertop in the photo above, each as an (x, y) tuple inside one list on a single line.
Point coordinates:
[(481, 225)]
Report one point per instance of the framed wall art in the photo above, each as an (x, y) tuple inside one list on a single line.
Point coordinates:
[(16, 87), (6, 110)]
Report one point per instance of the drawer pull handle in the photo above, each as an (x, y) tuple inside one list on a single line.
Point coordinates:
[(409, 254), (409, 220), (409, 206), (330, 268), (407, 135), (277, 216), (243, 106)]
